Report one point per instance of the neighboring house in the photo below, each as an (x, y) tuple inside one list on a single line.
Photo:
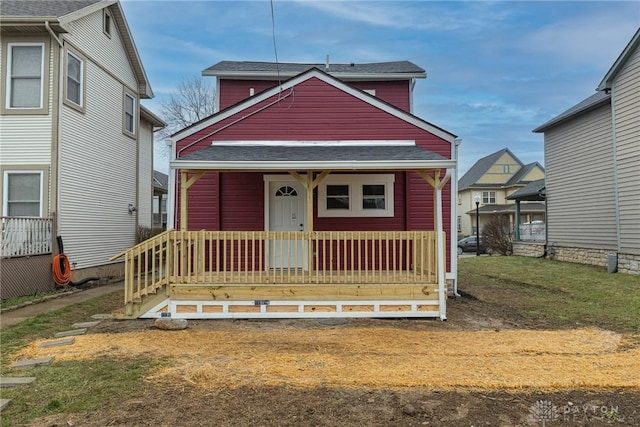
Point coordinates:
[(592, 154), (313, 192), (76, 144), (492, 179), (160, 190)]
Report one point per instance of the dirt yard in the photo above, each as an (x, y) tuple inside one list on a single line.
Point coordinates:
[(486, 366)]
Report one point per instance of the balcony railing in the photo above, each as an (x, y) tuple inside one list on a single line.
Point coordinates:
[(23, 236), (218, 258), (533, 232)]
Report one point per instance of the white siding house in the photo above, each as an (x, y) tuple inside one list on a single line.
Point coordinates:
[(78, 126), (592, 157)]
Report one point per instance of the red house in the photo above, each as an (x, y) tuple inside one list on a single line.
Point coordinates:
[(312, 192)]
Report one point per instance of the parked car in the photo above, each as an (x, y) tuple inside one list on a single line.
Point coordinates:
[(468, 244)]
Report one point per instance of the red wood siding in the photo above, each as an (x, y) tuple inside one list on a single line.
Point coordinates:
[(394, 92), (315, 111), (234, 91)]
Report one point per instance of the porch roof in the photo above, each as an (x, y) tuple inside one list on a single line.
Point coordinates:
[(238, 156), (509, 208)]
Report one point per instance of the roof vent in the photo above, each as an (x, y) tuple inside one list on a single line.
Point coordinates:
[(353, 65), (326, 64)]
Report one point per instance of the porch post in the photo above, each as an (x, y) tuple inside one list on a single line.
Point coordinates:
[(183, 200), (516, 230)]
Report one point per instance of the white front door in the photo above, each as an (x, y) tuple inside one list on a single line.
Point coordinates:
[(287, 213)]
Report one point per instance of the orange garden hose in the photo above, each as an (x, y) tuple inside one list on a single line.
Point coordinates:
[(61, 270)]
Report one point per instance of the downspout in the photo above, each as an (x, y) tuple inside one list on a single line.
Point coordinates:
[(56, 120), (454, 216), (614, 150)]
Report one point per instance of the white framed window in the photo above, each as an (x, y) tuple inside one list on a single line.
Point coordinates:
[(459, 199), (106, 23), (74, 82), (129, 114), (23, 193), (459, 224), (488, 197), (25, 76), (363, 195)]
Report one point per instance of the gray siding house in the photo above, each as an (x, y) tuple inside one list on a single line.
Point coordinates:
[(592, 160), (76, 145)]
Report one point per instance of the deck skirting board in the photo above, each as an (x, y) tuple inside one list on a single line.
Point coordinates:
[(281, 309)]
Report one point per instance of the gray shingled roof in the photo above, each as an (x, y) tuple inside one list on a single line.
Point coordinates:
[(582, 107), (518, 176), (224, 67), (160, 180), (480, 168), (42, 8), (532, 191), (267, 153), (510, 208)]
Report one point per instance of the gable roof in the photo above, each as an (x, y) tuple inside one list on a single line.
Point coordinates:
[(518, 177), (535, 191), (481, 167), (333, 81), (36, 15), (353, 71), (628, 51), (160, 181), (584, 106)]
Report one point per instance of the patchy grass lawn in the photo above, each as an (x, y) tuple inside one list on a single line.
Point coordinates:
[(574, 293), (122, 373)]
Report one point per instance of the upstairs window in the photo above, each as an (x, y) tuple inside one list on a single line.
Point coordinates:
[(488, 197), (25, 76), (74, 89), (129, 114), (23, 193), (106, 23)]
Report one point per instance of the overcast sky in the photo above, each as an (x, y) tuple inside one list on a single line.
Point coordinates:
[(495, 69)]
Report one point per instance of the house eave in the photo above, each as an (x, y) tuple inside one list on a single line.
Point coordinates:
[(267, 75), (347, 165)]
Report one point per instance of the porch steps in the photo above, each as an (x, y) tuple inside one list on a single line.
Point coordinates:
[(142, 305)]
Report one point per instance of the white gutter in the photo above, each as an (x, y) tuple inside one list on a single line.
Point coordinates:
[(280, 165)]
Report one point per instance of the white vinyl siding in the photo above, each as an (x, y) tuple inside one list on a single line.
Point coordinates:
[(17, 146), (88, 38), (626, 97), (580, 183), (98, 163), (145, 174)]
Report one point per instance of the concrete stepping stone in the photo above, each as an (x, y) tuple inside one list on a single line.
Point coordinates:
[(101, 316), (15, 381), (4, 403), (73, 332), (85, 324), (24, 364), (57, 343)]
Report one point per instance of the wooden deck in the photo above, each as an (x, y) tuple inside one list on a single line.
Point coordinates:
[(220, 274)]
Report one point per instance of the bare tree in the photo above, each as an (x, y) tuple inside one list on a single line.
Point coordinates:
[(192, 101)]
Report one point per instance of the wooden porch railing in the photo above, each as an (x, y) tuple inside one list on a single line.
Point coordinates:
[(23, 236), (279, 257)]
